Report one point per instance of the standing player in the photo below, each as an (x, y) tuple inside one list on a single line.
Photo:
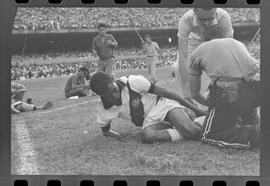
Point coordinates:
[(151, 50), (234, 91), (190, 34), (104, 45)]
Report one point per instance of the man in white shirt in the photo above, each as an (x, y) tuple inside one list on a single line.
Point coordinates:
[(190, 35), (146, 105)]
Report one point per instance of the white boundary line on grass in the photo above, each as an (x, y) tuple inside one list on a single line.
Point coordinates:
[(82, 103), (68, 106), (27, 155)]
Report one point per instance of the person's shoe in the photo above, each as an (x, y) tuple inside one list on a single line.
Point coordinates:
[(29, 101), (47, 105)]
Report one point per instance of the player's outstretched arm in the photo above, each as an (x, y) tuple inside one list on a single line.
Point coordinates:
[(195, 87), (170, 95)]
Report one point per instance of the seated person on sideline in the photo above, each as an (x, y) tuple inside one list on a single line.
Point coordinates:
[(148, 106), (17, 103), (76, 86), (233, 119)]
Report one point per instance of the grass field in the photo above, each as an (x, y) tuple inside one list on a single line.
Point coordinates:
[(66, 140)]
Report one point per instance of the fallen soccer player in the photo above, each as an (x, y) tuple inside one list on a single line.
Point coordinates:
[(21, 106), (161, 114), (17, 103)]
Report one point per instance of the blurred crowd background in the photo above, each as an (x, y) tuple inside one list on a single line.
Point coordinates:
[(88, 18), (125, 59)]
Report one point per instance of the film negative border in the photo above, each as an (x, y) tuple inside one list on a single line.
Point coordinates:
[(139, 3), (7, 13), (138, 181)]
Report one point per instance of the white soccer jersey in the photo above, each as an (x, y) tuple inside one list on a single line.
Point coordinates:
[(154, 111)]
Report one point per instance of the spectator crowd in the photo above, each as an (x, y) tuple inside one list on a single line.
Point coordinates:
[(50, 18), (125, 59), (128, 59)]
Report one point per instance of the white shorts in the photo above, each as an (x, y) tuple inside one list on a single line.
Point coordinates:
[(159, 111)]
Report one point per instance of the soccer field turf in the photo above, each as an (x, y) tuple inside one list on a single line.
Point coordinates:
[(66, 140)]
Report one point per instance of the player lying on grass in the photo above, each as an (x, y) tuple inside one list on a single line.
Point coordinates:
[(233, 119), (76, 86), (17, 103), (161, 114)]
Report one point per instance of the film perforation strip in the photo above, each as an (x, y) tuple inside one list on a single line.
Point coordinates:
[(252, 183), (147, 183), (184, 2), (54, 1), (87, 183), (54, 183), (219, 183), (120, 183), (154, 1), (88, 1), (22, 1), (121, 1), (253, 1), (187, 2), (186, 183), (152, 183), (220, 2), (20, 182)]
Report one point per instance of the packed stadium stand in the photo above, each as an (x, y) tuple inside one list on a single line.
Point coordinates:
[(88, 18), (126, 60)]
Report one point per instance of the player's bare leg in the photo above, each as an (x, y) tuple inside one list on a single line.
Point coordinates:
[(182, 122), (156, 133)]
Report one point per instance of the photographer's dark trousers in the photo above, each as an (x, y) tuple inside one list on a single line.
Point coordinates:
[(233, 120)]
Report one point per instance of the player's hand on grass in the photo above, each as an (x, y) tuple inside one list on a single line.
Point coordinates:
[(115, 135)]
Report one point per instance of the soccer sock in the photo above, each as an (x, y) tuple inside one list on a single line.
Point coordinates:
[(175, 136), (200, 120)]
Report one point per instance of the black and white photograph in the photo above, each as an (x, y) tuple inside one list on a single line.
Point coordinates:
[(135, 91)]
